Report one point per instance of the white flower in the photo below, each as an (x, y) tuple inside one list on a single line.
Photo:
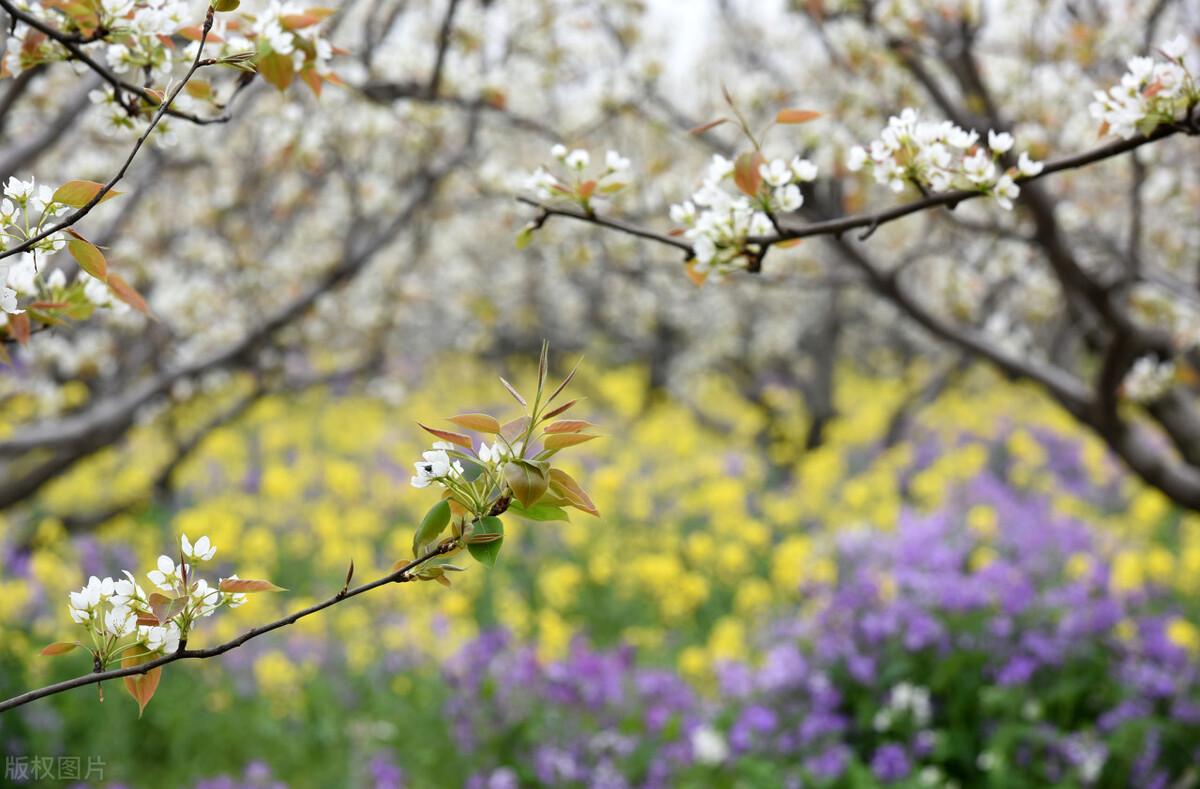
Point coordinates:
[(577, 159), (979, 168), (8, 301), (126, 591), (160, 638), (166, 575), (1148, 379), (493, 454), (719, 168), (788, 198), (1176, 47), (434, 465), (708, 746), (1005, 191), (202, 551), (615, 162), (683, 213), (856, 158), (1028, 167), (803, 169), (776, 172), (1000, 142), (19, 190), (120, 621), (559, 151), (118, 57)]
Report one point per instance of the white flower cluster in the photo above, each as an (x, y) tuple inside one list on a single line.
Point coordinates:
[(718, 222), (436, 465), (941, 157), (1148, 379), (1150, 93), (573, 184), (25, 207), (113, 610)]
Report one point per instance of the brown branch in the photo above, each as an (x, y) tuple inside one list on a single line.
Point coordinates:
[(403, 575), (137, 146)]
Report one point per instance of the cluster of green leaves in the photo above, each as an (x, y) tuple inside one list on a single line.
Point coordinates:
[(516, 476)]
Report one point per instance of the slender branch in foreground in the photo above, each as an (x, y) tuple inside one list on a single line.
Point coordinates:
[(870, 222), (402, 575), (137, 146)]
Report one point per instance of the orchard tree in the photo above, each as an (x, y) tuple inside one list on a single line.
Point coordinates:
[(1012, 232)]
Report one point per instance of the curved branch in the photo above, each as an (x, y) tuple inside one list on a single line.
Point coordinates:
[(403, 575)]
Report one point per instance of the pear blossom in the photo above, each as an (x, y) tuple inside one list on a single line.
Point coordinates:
[(1000, 142), (166, 576), (436, 464), (202, 551), (1028, 167), (615, 162), (577, 159), (1148, 379), (559, 151)]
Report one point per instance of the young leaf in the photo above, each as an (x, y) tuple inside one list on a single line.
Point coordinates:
[(447, 435), (568, 426), (432, 525), (59, 647), (225, 6), (486, 552), (698, 130), (564, 383), (563, 484), (484, 423), (527, 480), (512, 430), (746, 174), (277, 69), (241, 585), (561, 409), (166, 608), (89, 257), (125, 292), (563, 440), (141, 686), (512, 391), (77, 194), (796, 116)]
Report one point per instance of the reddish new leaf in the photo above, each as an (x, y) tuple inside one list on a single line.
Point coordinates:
[(89, 257), (568, 426), (126, 293), (484, 423), (141, 686), (564, 440), (796, 116), (448, 435), (746, 174), (564, 485), (77, 194), (243, 585), (59, 647)]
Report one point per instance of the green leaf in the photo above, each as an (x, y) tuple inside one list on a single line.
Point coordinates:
[(486, 552), (539, 512), (77, 194), (432, 525), (59, 647), (277, 69), (225, 6), (528, 480), (524, 237), (89, 257)]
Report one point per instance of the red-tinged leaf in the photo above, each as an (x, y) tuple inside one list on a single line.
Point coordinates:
[(126, 293), (1153, 89), (147, 621), (77, 194), (298, 21), (193, 33), (746, 174), (141, 686), (448, 435), (59, 647), (587, 189), (89, 257), (564, 440), (512, 391), (166, 608), (565, 382), (562, 409), (791, 242), (484, 423), (514, 429), (199, 89), (697, 130), (332, 77), (564, 485), (320, 12), (277, 69), (796, 116), (568, 426), (243, 585), (18, 326), (695, 276), (1103, 129), (312, 79), (47, 305)]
